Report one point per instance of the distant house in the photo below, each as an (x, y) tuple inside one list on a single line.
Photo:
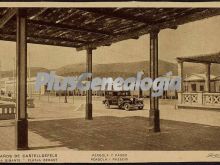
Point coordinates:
[(3, 83), (8, 86), (196, 83)]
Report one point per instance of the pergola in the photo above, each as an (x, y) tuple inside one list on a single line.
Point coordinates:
[(87, 29), (206, 99), (206, 59)]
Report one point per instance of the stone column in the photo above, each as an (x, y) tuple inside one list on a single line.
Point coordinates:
[(21, 87), (154, 117), (89, 92), (207, 77)]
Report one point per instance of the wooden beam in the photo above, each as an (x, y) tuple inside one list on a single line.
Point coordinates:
[(50, 42), (90, 46), (12, 38), (135, 37), (174, 27), (7, 16), (66, 18), (67, 27), (198, 60), (206, 13), (116, 15), (56, 39), (107, 45), (117, 38), (41, 11)]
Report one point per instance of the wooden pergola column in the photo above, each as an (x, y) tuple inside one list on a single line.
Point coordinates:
[(154, 117), (207, 77), (21, 86), (180, 73), (89, 92)]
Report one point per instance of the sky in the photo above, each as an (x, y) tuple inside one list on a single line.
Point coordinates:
[(200, 37)]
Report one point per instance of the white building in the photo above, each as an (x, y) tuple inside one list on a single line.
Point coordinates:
[(196, 83), (8, 85)]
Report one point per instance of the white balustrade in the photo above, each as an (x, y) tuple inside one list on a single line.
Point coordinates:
[(7, 111), (199, 98), (211, 99)]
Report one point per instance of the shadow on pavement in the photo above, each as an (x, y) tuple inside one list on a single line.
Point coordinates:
[(45, 147), (127, 133)]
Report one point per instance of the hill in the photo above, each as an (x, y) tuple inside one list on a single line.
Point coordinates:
[(117, 69), (33, 71), (121, 69)]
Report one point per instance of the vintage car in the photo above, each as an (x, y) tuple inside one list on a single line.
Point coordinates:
[(123, 100)]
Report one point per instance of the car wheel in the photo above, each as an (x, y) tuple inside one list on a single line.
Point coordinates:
[(140, 108), (127, 106), (120, 106), (107, 105)]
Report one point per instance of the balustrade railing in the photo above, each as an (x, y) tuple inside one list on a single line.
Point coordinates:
[(211, 98), (7, 111), (199, 98), (30, 101)]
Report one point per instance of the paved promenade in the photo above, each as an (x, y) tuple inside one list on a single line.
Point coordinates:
[(56, 125)]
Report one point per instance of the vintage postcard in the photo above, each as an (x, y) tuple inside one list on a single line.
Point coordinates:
[(109, 82)]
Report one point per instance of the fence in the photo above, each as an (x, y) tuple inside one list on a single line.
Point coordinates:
[(30, 101), (212, 99), (7, 111)]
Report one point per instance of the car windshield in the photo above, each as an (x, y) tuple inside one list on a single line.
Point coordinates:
[(124, 93), (120, 93)]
